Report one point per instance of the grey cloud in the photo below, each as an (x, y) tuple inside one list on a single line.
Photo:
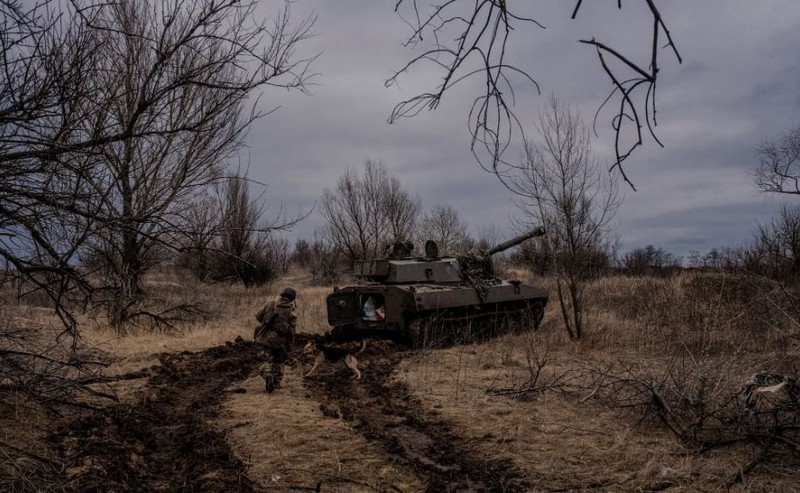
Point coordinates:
[(723, 226), (739, 84)]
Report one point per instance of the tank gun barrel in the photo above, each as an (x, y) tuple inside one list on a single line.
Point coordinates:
[(516, 241)]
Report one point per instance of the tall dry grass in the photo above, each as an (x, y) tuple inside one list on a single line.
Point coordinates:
[(699, 336), (229, 312), (561, 435), (704, 316), (702, 313)]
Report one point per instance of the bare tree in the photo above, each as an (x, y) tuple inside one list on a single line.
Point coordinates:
[(777, 246), (325, 259), (778, 169), (487, 237), (470, 39), (179, 74), (776, 249), (201, 224), (319, 256), (245, 247), (366, 212), (400, 208), (650, 260), (112, 117), (443, 225), (238, 246), (46, 212), (563, 188)]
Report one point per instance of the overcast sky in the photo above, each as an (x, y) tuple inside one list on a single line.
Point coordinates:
[(739, 84)]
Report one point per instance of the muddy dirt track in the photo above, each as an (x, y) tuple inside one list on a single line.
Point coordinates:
[(165, 440)]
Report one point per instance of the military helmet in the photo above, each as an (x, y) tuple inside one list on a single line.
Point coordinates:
[(288, 293)]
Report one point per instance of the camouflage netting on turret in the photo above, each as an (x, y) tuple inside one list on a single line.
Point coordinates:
[(476, 267)]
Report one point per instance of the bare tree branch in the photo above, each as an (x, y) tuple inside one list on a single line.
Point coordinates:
[(561, 187), (778, 170), (364, 213), (470, 39)]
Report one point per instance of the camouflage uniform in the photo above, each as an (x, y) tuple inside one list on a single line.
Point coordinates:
[(276, 333)]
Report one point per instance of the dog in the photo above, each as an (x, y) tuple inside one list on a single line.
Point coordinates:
[(324, 352)]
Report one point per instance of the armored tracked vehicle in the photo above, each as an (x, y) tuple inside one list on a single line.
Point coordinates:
[(435, 300)]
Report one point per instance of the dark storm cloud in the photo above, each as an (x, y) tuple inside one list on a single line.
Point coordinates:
[(739, 84)]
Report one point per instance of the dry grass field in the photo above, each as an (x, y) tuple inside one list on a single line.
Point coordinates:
[(523, 412)]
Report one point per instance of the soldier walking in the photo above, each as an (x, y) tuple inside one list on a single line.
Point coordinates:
[(276, 333)]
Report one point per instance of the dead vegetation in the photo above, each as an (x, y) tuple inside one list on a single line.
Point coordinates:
[(650, 400)]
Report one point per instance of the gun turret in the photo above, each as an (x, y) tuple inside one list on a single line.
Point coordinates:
[(476, 265), (516, 241), (435, 298)]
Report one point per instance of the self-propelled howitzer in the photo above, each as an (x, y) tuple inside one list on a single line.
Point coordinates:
[(435, 299)]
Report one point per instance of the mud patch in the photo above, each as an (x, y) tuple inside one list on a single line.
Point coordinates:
[(163, 442), (385, 411)]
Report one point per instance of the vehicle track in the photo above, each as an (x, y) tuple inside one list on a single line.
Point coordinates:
[(384, 410), (165, 441)]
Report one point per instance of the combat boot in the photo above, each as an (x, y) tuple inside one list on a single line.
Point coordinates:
[(270, 383)]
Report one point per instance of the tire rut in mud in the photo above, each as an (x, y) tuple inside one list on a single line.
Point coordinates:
[(163, 442), (385, 411)]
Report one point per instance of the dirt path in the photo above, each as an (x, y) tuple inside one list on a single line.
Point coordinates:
[(384, 410), (165, 440)]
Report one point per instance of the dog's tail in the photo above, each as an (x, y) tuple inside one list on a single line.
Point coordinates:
[(363, 346)]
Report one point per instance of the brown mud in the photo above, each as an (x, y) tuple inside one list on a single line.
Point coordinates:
[(384, 410), (165, 440)]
